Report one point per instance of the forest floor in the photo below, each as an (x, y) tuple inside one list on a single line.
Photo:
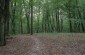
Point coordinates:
[(45, 44)]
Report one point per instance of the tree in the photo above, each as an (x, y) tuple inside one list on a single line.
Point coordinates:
[(4, 19), (31, 16), (13, 16)]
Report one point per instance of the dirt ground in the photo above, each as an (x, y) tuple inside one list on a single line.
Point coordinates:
[(45, 44)]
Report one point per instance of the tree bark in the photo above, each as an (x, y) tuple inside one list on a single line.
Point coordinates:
[(4, 7)]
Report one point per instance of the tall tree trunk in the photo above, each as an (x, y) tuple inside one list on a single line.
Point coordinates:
[(21, 23), (69, 16), (6, 17), (31, 14), (4, 4), (57, 21), (13, 5), (28, 25)]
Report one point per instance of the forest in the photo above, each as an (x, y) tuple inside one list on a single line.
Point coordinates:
[(32, 17)]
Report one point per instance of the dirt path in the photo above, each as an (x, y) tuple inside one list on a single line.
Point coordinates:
[(38, 48)]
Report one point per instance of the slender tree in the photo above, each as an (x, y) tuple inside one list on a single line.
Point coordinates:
[(31, 16)]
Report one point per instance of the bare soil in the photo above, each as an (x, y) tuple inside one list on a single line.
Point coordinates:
[(45, 44)]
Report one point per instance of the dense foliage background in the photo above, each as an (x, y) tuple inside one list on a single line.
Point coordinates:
[(48, 16)]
